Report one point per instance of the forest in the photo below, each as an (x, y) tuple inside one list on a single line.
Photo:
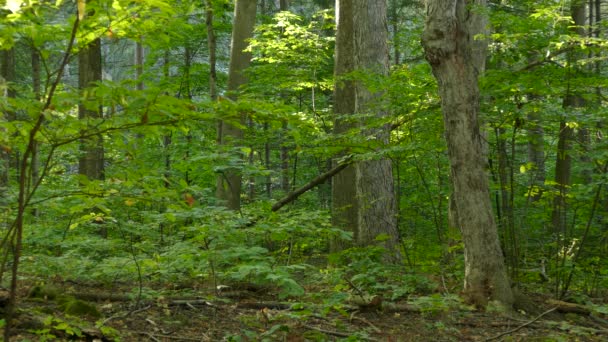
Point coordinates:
[(303, 170)]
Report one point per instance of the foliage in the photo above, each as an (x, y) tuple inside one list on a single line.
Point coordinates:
[(153, 222)]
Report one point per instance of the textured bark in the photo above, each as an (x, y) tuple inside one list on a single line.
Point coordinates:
[(377, 212), (7, 77), (363, 195), (563, 162), (344, 205), (457, 59), (229, 182), (90, 163), (212, 48)]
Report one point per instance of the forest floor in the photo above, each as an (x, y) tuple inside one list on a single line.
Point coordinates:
[(254, 314)]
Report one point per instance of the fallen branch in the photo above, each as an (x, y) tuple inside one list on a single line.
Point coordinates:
[(565, 307), (327, 332), (361, 319), (521, 326), (292, 196), (263, 305), (168, 337)]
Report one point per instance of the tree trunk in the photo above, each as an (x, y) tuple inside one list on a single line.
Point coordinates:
[(457, 59), (7, 77), (90, 163), (344, 204), (212, 47), (536, 155), (229, 182), (563, 162), (139, 64), (364, 195)]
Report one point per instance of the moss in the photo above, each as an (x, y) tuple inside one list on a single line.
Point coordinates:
[(77, 307), (43, 292)]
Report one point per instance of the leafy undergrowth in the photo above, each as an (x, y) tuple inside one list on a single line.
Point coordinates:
[(67, 310)]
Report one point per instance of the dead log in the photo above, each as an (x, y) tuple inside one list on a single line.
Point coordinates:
[(566, 307)]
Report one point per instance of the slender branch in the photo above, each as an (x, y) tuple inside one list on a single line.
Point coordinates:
[(23, 172), (521, 326)]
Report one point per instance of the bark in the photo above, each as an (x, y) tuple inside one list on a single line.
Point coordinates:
[(284, 157), (457, 59), (139, 64), (563, 162), (363, 195), (212, 47), (284, 152), (7, 77), (395, 27), (344, 206), (536, 155), (375, 186), (229, 182), (90, 163)]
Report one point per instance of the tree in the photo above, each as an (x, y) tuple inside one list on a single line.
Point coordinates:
[(7, 79), (572, 101), (230, 131), (363, 194), (90, 163), (457, 59)]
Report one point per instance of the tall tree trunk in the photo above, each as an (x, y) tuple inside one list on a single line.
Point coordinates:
[(457, 58), (344, 204), (229, 134), (563, 162), (7, 78), (36, 88), (90, 163), (284, 149), (139, 64), (364, 195), (394, 8), (212, 47)]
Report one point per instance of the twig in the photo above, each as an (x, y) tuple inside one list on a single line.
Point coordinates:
[(150, 336), (124, 315), (334, 333), (521, 326), (354, 287), (327, 332), (168, 337), (374, 328)]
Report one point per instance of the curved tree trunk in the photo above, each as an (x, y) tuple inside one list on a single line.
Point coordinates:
[(457, 59)]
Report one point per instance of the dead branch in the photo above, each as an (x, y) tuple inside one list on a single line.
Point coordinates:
[(263, 305), (566, 307), (292, 196), (521, 326)]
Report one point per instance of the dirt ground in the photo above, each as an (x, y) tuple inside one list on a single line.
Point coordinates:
[(256, 315)]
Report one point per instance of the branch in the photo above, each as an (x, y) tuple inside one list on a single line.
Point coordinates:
[(292, 196), (521, 326)]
